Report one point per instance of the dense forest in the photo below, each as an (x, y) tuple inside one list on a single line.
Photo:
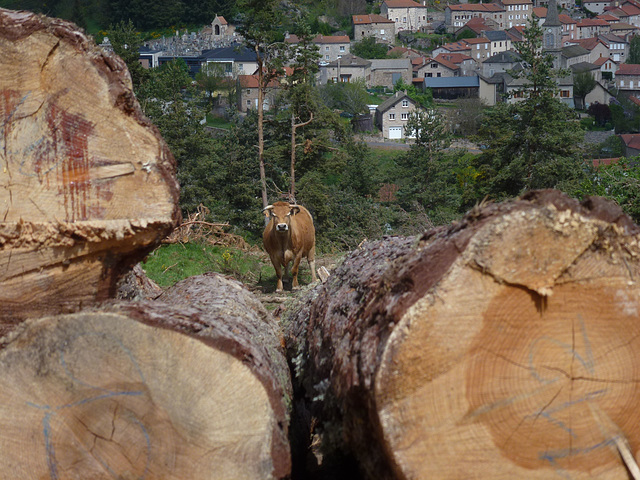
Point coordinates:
[(152, 15)]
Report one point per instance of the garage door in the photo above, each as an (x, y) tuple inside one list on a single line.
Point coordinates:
[(395, 132)]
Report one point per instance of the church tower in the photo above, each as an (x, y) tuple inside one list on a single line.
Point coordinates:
[(552, 34)]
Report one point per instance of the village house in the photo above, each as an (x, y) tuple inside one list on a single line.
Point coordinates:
[(386, 72), (233, 60), (592, 27), (628, 79), (348, 68), (631, 143), (500, 63), (435, 67), (627, 13), (618, 47), (392, 115), (377, 26), (500, 41), (456, 16), (624, 30), (517, 12), (595, 6), (608, 67), (596, 48), (408, 15), (247, 93), (477, 26), (404, 52), (455, 47), (330, 47), (480, 48), (467, 66)]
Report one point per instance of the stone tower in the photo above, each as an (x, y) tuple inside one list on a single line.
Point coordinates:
[(552, 34)]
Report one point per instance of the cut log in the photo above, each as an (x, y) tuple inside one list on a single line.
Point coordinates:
[(482, 349), (136, 285), (88, 184), (147, 390)]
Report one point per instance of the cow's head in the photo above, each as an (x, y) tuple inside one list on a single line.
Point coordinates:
[(281, 213)]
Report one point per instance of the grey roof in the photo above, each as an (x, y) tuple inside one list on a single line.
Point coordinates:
[(234, 53), (495, 35), (391, 101), (390, 63), (350, 60), (553, 19), (452, 82), (574, 51), (583, 67), (611, 38), (503, 57)]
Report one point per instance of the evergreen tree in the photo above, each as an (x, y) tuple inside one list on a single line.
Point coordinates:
[(369, 48), (583, 84), (634, 50), (532, 143), (126, 42)]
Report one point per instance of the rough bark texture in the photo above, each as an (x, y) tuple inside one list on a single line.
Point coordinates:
[(148, 390), (481, 349), (88, 185), (136, 286)]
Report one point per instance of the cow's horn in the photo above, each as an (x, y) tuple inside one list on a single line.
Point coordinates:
[(268, 207)]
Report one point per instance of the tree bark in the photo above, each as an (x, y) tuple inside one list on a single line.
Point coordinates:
[(88, 184), (148, 390), (491, 348)]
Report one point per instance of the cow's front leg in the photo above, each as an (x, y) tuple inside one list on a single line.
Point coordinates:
[(294, 271), (278, 268)]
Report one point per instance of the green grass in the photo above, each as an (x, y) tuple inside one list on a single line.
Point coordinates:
[(169, 264)]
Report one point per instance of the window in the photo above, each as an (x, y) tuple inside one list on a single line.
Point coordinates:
[(248, 103), (381, 31), (248, 92), (392, 116), (405, 116), (478, 47), (404, 19), (405, 103), (564, 93), (631, 84), (326, 49), (342, 48), (434, 65), (439, 74), (622, 83), (326, 57), (428, 75)]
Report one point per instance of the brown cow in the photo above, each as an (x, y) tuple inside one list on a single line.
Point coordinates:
[(289, 235)]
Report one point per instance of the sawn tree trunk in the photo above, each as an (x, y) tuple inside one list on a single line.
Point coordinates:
[(153, 390), (503, 346), (87, 184)]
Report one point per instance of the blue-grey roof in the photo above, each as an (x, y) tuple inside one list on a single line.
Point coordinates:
[(495, 35), (236, 53), (452, 82)]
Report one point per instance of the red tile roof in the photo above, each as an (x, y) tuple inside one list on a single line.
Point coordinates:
[(608, 17), (628, 69), (331, 39), (402, 4), (455, 58), (593, 22), (602, 60), (446, 63), (456, 46), (631, 140), (630, 9), (368, 19), (588, 43)]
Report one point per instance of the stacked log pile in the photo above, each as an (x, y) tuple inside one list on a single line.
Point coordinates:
[(503, 346), (192, 386)]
